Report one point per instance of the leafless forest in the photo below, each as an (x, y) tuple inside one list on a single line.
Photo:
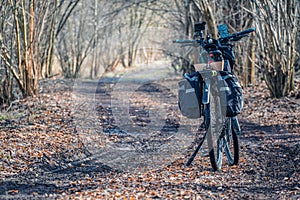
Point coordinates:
[(97, 36), (49, 46)]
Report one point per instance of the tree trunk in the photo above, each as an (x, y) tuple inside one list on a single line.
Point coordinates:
[(251, 60), (207, 11)]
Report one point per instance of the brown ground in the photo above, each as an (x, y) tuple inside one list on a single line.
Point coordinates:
[(49, 147)]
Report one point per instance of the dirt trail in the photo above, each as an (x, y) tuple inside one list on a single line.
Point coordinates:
[(140, 109), (119, 124)]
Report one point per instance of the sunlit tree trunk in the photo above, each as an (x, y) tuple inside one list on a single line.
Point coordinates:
[(251, 60), (93, 71)]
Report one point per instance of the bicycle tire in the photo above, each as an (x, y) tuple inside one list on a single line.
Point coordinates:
[(231, 144), (213, 141)]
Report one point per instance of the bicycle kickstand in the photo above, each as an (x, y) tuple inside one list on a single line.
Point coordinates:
[(189, 162)]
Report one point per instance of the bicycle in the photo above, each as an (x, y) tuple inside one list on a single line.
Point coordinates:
[(216, 59)]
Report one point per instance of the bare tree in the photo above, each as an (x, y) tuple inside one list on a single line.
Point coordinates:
[(277, 28), (27, 35), (102, 35), (21, 62), (122, 30), (94, 68), (74, 40)]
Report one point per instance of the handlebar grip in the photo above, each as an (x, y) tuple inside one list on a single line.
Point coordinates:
[(246, 31)]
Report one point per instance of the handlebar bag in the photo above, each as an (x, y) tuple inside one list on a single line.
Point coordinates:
[(232, 91), (189, 97)]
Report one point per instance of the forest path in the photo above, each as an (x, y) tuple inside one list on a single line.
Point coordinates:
[(80, 125), (139, 109)]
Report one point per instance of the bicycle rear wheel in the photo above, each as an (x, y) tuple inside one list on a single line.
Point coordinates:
[(231, 143), (213, 138)]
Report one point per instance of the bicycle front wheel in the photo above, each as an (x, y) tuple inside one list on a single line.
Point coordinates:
[(213, 138), (231, 143)]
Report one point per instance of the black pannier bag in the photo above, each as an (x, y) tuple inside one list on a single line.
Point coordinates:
[(231, 90), (189, 96)]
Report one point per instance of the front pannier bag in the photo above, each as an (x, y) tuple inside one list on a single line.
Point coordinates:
[(233, 93), (189, 97)]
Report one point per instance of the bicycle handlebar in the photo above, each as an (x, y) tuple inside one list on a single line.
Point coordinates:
[(246, 31), (233, 37), (185, 41), (210, 44), (238, 35)]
